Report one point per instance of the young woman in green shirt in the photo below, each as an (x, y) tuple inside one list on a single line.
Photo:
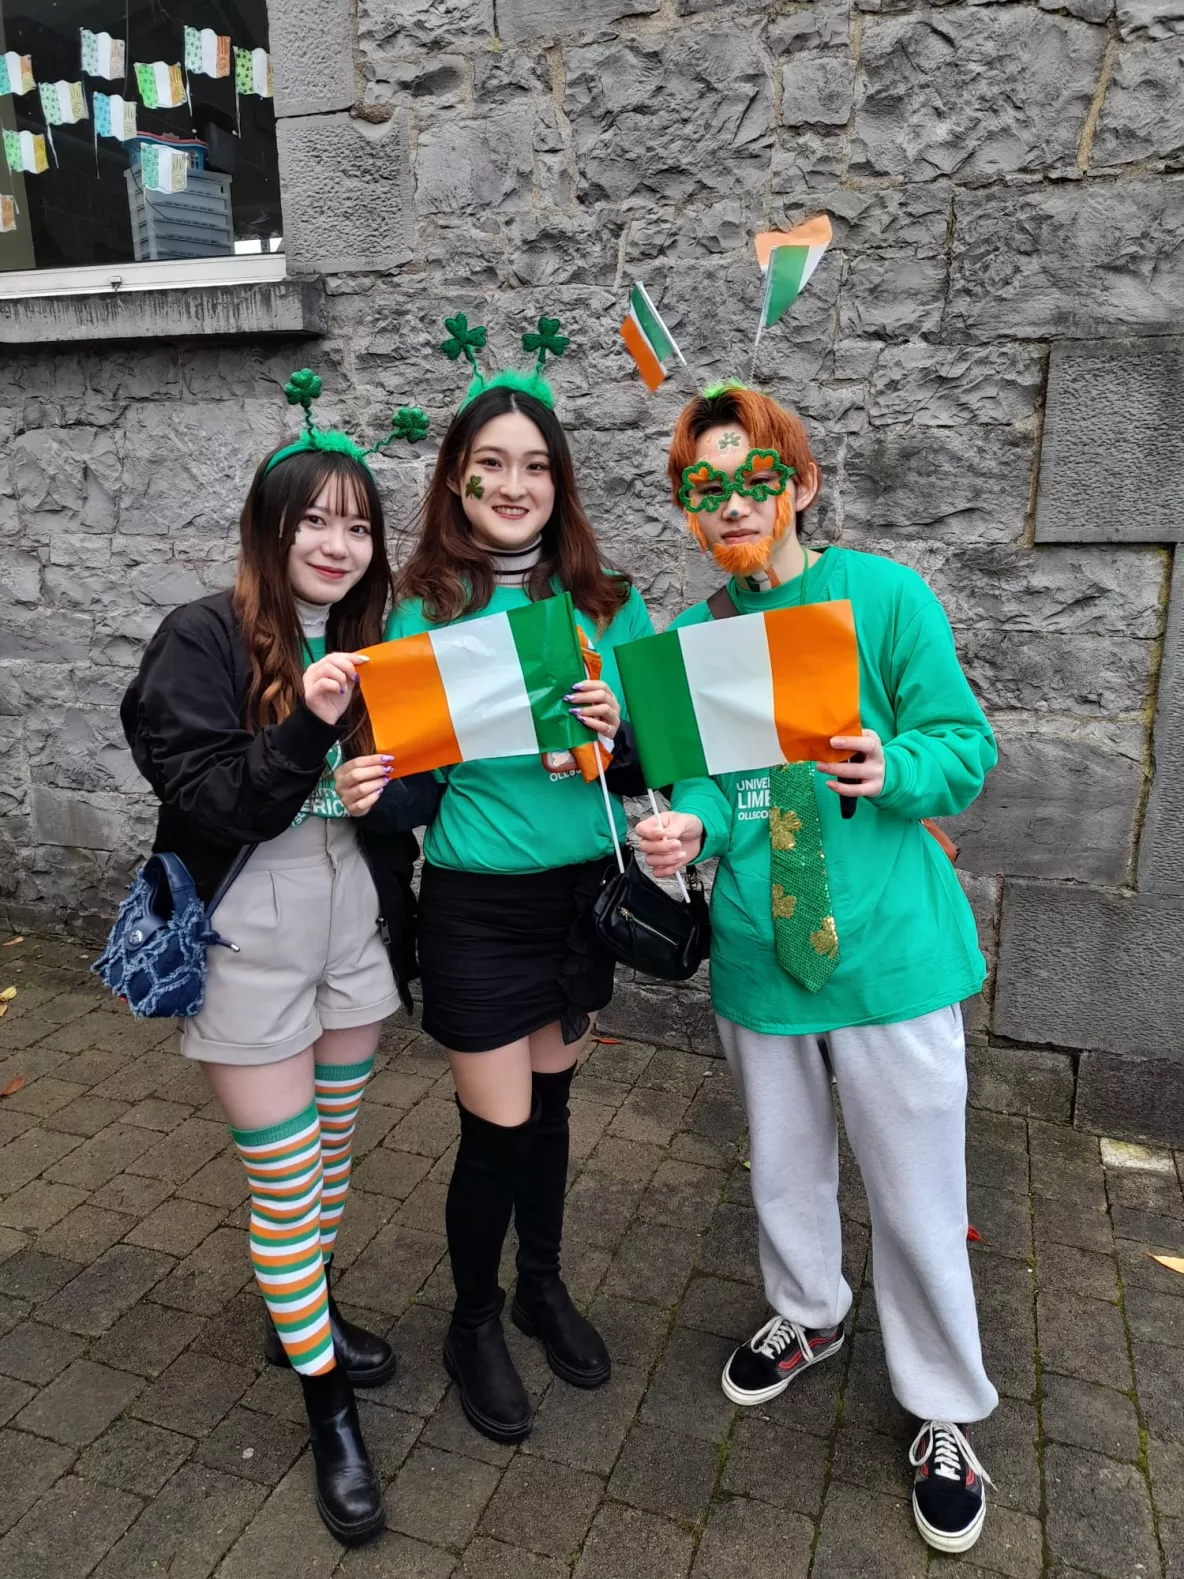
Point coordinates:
[(512, 973)]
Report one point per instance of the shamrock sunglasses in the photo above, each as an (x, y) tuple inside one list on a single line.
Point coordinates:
[(762, 476)]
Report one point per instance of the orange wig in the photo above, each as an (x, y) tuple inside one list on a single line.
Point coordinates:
[(768, 425)]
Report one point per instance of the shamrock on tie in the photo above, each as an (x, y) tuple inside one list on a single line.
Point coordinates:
[(463, 340), (546, 341)]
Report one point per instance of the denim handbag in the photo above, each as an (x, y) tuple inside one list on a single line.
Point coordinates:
[(155, 958)]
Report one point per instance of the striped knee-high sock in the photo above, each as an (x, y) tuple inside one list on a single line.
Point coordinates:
[(339, 1090), (283, 1164)]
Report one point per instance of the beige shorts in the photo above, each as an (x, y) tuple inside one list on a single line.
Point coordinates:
[(303, 912)]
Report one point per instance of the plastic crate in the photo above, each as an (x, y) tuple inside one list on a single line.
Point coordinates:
[(196, 223)]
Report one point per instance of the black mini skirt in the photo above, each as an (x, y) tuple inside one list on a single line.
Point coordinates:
[(503, 955)]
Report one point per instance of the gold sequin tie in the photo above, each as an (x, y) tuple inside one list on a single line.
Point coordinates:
[(803, 923)]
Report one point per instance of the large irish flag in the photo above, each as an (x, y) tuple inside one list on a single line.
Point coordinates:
[(489, 687), (736, 695)]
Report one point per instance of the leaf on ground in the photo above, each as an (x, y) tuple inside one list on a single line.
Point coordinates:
[(1173, 1263), (13, 1086), (607, 1041), (973, 1237), (7, 995)]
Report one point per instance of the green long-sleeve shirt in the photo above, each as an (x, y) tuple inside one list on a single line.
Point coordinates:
[(509, 814), (907, 941)]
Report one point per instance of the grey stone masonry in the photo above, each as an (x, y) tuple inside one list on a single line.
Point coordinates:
[(141, 1432), (988, 361)]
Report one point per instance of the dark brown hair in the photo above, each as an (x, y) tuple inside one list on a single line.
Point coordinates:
[(264, 603), (452, 574), (768, 425)]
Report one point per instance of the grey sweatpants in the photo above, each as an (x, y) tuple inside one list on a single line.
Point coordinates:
[(903, 1094)]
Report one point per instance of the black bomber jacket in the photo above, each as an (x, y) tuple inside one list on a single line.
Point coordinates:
[(224, 789)]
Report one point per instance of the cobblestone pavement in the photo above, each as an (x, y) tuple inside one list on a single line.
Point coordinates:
[(142, 1435)]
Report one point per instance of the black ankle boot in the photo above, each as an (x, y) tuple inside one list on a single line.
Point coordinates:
[(542, 1306), (349, 1496), (368, 1359), (477, 1214)]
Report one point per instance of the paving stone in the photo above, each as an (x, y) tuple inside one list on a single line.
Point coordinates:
[(1061, 1270), (439, 1497), (653, 1263), (631, 1162), (178, 1156), (424, 1208), (715, 1304), (390, 1172), (685, 1394), (1084, 1338), (1137, 1269), (30, 1274), (80, 1404), (428, 1129), (100, 1158), (86, 1233), (704, 1151), (772, 1460), (87, 1115), (1083, 1184), (288, 1522), (1155, 1317), (257, 1447), (222, 1182), (623, 1541), (586, 1428), (1099, 1514), (44, 1096), (14, 1396), (12, 1312), (193, 1394), (421, 1380), (730, 1246), (13, 1124), (147, 1339), (391, 1268), (681, 1195), (177, 1226), (1011, 1544), (1159, 1378), (868, 1399), (635, 1333), (135, 1456), (392, 1088), (619, 1060), (1146, 1191), (31, 1465), (1004, 1220), (1130, 1223), (996, 1165), (451, 1432), (1165, 1461), (652, 1116), (130, 1080), (863, 1536), (542, 1505), (486, 1559), (677, 1072), (67, 1532), (1092, 1417), (742, 1542), (155, 1113), (588, 1123), (398, 1557), (1006, 1443), (131, 1194), (210, 1276), (607, 1093), (390, 1435), (187, 1528), (30, 1154), (599, 1209), (39, 1204), (34, 1353), (98, 1296), (1005, 1292), (665, 1472), (1084, 1228), (1171, 1535), (275, 1392)]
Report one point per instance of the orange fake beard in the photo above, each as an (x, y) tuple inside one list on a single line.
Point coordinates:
[(746, 559)]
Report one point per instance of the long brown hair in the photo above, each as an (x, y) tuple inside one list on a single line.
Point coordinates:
[(264, 603), (452, 575)]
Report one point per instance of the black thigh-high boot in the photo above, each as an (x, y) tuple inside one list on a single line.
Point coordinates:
[(477, 1215), (348, 1491), (542, 1306)]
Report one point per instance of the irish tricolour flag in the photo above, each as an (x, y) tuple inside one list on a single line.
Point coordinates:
[(649, 342), (735, 695), (788, 258), (489, 687)]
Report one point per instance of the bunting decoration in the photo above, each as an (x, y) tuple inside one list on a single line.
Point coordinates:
[(163, 169), (160, 85), (102, 55), (63, 103), (115, 116), (8, 213), (252, 72), (207, 53), (25, 154), (16, 73), (647, 339)]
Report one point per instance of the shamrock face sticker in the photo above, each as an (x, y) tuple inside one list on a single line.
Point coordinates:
[(729, 441), (474, 488)]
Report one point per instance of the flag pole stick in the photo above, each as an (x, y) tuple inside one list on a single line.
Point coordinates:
[(608, 806), (682, 885)]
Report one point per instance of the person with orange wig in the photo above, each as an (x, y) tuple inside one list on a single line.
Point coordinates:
[(842, 947)]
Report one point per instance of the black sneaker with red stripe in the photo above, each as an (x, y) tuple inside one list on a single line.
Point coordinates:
[(949, 1504), (773, 1357)]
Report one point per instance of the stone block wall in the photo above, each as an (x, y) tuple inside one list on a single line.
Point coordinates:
[(989, 362)]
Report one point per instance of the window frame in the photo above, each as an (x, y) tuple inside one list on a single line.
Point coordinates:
[(89, 279)]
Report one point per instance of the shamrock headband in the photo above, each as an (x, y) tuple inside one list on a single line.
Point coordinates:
[(408, 422), (544, 341), (763, 475)]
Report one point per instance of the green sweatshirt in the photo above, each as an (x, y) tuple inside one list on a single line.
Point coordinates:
[(907, 942), (509, 814), (324, 800)]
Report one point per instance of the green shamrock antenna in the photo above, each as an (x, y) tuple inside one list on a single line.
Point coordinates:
[(544, 341), (464, 340), (408, 422)]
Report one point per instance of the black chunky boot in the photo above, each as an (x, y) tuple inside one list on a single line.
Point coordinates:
[(368, 1359), (542, 1306), (349, 1496), (477, 1214)]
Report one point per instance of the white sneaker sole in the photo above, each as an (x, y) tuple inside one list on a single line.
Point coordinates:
[(748, 1399), (943, 1542)]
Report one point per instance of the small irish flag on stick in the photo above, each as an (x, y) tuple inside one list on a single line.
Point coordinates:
[(788, 258), (733, 696), (649, 342), (490, 687)]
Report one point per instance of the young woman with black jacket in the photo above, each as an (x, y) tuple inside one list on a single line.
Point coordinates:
[(246, 719)]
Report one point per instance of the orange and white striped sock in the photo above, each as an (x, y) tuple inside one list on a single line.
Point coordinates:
[(339, 1089), (283, 1164)]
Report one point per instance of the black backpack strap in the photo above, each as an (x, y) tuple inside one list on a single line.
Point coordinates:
[(720, 605)]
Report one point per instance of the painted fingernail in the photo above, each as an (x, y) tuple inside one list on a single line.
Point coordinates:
[(388, 759), (341, 690)]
